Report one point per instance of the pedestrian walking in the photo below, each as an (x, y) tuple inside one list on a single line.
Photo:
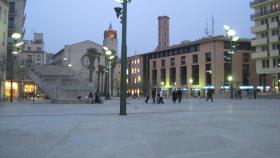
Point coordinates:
[(239, 93), (255, 94), (90, 97), (97, 97), (210, 95), (174, 96), (154, 96), (158, 96), (161, 97), (180, 95), (147, 97)]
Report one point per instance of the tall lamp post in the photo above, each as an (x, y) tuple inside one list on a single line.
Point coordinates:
[(17, 43), (123, 11), (191, 83), (231, 35), (109, 57)]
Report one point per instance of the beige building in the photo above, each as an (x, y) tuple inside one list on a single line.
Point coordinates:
[(4, 9), (203, 64), (34, 51), (267, 42), (16, 20)]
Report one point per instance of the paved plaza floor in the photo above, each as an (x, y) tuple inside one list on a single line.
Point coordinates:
[(193, 129)]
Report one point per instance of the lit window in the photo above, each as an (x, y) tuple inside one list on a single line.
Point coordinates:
[(135, 81), (138, 70), (127, 71), (138, 61), (132, 71), (139, 78)]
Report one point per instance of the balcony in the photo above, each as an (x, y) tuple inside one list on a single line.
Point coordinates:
[(274, 39), (258, 42), (259, 28), (275, 53), (274, 25), (256, 2), (260, 14), (259, 55)]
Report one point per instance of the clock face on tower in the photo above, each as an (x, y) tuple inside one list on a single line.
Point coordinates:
[(85, 61)]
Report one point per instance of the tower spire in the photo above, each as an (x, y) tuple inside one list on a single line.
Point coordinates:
[(110, 26)]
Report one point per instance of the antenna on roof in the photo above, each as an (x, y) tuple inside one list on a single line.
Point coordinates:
[(206, 30), (213, 26)]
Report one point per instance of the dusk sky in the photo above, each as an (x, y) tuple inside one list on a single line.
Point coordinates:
[(71, 21)]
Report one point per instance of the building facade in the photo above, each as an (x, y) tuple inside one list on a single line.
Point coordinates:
[(4, 9), (194, 66), (267, 42), (16, 20), (34, 51), (71, 56), (199, 65), (134, 72)]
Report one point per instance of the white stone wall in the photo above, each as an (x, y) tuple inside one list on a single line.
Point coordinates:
[(74, 53)]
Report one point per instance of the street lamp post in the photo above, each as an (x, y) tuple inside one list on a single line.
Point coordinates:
[(109, 57), (230, 79), (123, 11), (191, 83), (231, 34), (16, 49)]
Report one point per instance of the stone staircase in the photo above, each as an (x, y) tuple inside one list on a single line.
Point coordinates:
[(61, 84)]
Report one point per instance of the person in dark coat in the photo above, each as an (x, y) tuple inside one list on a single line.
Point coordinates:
[(209, 95), (158, 96), (147, 97), (97, 97), (174, 96), (154, 96), (180, 95)]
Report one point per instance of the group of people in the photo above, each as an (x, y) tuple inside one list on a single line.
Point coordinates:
[(177, 95), (157, 96), (96, 98)]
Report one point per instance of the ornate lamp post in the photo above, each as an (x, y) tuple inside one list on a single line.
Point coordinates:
[(231, 34), (123, 11)]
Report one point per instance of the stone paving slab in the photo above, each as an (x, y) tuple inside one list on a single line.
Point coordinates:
[(193, 129)]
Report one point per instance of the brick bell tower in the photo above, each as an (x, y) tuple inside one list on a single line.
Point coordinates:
[(163, 32), (111, 41), (110, 38)]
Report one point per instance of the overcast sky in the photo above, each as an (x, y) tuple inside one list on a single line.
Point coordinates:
[(71, 21)]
